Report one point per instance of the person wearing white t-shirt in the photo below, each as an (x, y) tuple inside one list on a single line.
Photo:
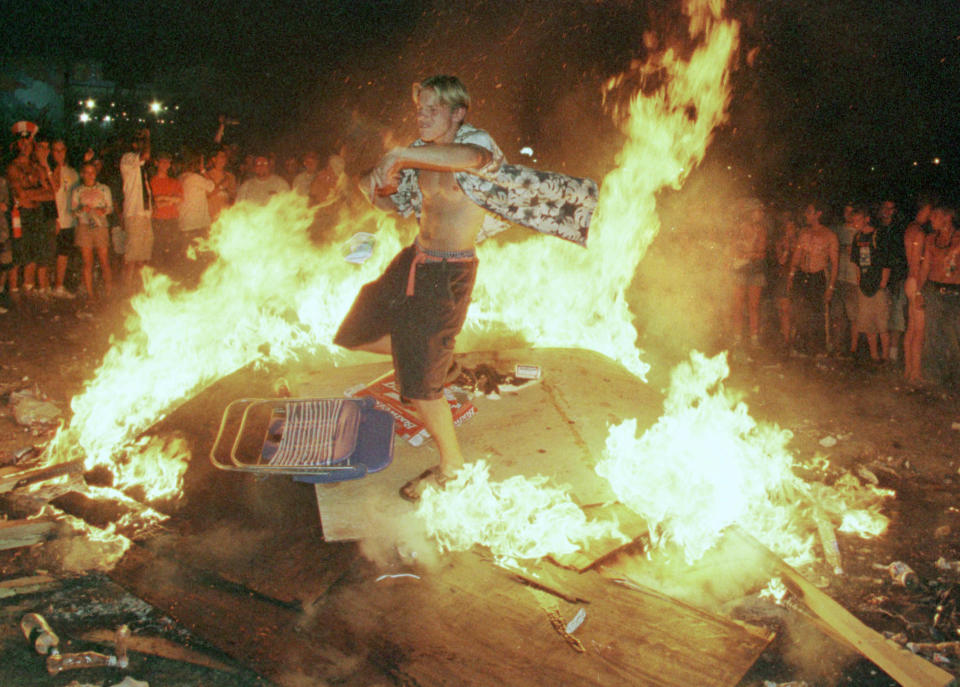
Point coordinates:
[(261, 187)]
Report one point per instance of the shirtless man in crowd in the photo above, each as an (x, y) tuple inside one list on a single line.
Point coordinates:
[(914, 238), (939, 281), (815, 258)]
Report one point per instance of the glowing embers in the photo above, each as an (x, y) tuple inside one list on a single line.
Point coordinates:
[(518, 519), (706, 465)]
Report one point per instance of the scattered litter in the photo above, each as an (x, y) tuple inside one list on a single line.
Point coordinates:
[(942, 649), (526, 371), (486, 380), (397, 575), (828, 442), (942, 532), (29, 409), (901, 574), (947, 566), (867, 475), (561, 629), (359, 247), (38, 634), (577, 621), (130, 682), (24, 453), (828, 540)]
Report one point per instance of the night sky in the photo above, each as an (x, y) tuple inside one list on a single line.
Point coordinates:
[(840, 97)]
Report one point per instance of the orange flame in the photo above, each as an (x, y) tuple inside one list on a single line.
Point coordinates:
[(706, 465)]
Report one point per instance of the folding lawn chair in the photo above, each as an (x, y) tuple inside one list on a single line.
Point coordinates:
[(313, 439)]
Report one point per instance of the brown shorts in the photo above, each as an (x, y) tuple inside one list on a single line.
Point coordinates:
[(422, 327), (90, 236), (139, 246), (873, 312)]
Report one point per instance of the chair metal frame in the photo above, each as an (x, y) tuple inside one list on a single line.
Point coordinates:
[(326, 463)]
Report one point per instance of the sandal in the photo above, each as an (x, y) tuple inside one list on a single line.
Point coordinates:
[(412, 490)]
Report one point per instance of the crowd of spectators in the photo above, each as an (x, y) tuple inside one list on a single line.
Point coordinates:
[(65, 231), (877, 286)]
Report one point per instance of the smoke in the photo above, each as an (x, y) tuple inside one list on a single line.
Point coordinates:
[(401, 544), (682, 288)]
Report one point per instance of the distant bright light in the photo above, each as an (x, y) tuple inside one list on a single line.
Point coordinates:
[(91, 103), (526, 150), (84, 117), (155, 106), (936, 161), (107, 118)]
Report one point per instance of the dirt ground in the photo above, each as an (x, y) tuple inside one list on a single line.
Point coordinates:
[(908, 438)]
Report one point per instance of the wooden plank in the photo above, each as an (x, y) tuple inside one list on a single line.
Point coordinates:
[(900, 664), (266, 637), (13, 480), (294, 567), (556, 428), (15, 534), (32, 584), (468, 625), (601, 550), (160, 647)]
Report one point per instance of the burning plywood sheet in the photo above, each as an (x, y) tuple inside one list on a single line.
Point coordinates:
[(463, 622), (556, 428), (470, 623)]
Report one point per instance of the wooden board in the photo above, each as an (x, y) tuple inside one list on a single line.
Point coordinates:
[(472, 624), (17, 533), (556, 428), (465, 623), (294, 567), (903, 666), (266, 637)]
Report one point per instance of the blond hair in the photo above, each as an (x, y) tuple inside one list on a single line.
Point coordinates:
[(449, 89)]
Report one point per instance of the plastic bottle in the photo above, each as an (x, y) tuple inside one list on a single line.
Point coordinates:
[(903, 575), (57, 663), (35, 628)]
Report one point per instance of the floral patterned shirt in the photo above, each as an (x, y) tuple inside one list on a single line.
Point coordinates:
[(548, 202)]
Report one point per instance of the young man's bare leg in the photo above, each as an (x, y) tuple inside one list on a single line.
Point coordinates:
[(438, 420)]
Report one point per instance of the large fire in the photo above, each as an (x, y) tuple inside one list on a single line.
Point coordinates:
[(272, 293)]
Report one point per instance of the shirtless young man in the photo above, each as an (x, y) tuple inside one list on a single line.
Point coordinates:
[(748, 252), (30, 188), (815, 257), (939, 281), (913, 240), (417, 307)]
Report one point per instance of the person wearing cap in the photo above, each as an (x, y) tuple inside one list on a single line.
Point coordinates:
[(263, 185), (31, 187)]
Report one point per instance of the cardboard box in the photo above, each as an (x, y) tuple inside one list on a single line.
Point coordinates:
[(407, 423)]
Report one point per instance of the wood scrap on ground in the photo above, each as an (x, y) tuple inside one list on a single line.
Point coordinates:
[(159, 647), (18, 533), (10, 480), (470, 623), (900, 664), (31, 584)]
